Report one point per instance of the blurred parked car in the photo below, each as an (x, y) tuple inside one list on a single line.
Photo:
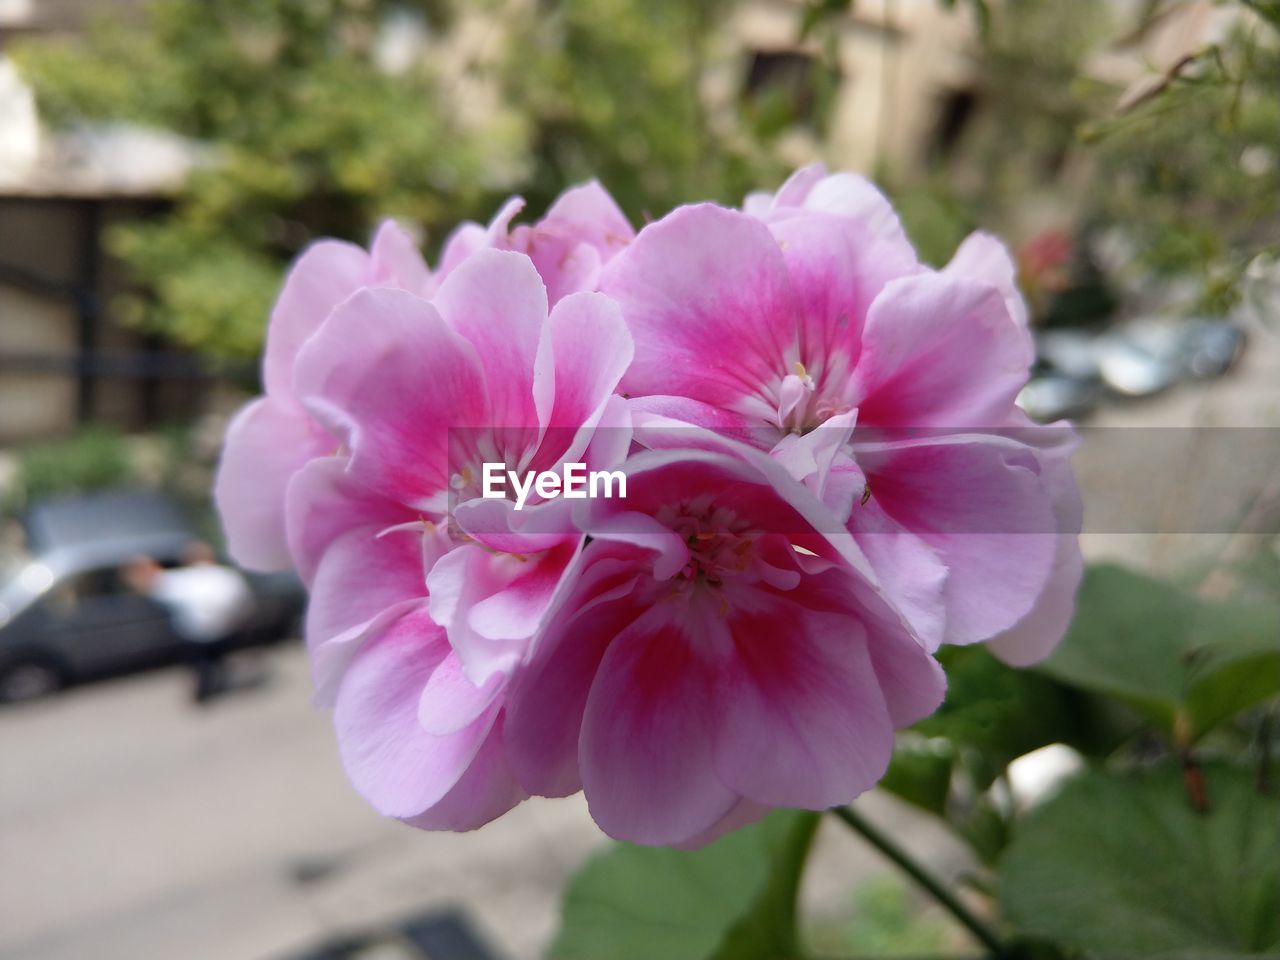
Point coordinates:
[(66, 614)]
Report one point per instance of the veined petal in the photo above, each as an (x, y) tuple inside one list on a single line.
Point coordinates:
[(395, 261), (323, 502), (647, 738), (497, 302), (938, 351), (321, 278), (706, 295), (804, 723), (388, 373), (267, 443), (396, 765)]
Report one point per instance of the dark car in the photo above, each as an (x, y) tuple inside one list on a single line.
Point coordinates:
[(67, 615)]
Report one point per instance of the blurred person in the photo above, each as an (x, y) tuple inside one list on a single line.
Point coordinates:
[(208, 602)]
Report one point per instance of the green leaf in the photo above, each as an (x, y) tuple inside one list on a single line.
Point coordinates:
[(920, 771), (1125, 868), (1167, 653), (732, 899), (1238, 668)]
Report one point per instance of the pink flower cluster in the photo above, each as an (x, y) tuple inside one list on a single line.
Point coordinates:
[(827, 479)]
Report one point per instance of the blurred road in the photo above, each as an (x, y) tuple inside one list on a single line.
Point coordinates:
[(135, 826)]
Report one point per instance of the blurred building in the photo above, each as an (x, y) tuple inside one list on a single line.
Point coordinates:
[(908, 81), (62, 360), (904, 76)]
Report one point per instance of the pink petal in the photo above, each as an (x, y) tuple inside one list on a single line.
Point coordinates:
[(706, 295), (983, 257), (322, 277), (939, 352), (267, 442), (798, 186), (592, 349), (913, 683), (395, 261), (390, 374), (647, 738), (837, 267), (493, 605), (498, 526), (912, 572), (581, 232), (850, 195), (451, 702), (980, 504), (398, 767), (1035, 635), (804, 722), (325, 501), (486, 791), (743, 813), (590, 214), (497, 302), (360, 576), (465, 240), (550, 694)]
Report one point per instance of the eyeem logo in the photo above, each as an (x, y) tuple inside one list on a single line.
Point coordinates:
[(575, 484)]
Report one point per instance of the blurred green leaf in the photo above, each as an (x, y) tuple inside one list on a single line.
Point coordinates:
[(1126, 868), (1238, 669), (920, 771), (93, 459), (1167, 653), (732, 899), (992, 715)]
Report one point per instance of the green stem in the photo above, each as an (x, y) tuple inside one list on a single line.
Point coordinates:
[(936, 888)]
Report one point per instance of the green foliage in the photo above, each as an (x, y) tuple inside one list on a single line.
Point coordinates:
[(1031, 55), (93, 459), (1139, 649), (307, 135), (732, 900), (1191, 170), (884, 921), (1125, 867), (1185, 663), (614, 88), (993, 714)]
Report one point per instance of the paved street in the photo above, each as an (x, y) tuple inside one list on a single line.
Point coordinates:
[(134, 826)]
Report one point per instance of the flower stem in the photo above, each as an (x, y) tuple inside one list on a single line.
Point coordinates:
[(936, 888)]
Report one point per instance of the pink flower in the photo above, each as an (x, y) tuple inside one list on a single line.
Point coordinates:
[(826, 479), (811, 329), (272, 437), (581, 232), (723, 652), (424, 393), (424, 598), (419, 741)]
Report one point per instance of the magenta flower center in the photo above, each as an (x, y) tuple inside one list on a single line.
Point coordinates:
[(721, 545), (805, 401)]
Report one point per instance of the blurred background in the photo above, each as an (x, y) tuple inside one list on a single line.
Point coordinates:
[(161, 161)]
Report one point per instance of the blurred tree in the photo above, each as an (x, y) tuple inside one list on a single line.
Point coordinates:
[(314, 125), (616, 91), (1191, 160)]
